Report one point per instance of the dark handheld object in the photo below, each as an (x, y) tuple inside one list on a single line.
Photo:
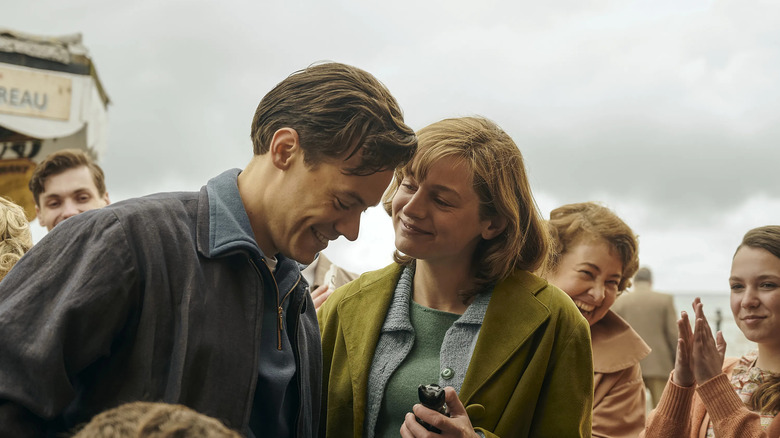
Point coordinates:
[(432, 397)]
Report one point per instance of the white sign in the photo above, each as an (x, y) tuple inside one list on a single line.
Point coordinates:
[(29, 93)]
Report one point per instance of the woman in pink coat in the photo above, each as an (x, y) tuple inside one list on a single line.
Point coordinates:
[(708, 396)]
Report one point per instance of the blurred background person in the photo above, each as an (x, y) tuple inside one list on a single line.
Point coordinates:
[(15, 237), (653, 316), (65, 184), (596, 254), (709, 396), (460, 307), (324, 277)]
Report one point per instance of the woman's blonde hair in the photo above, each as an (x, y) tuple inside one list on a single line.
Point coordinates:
[(501, 183), (154, 420), (15, 237), (573, 223)]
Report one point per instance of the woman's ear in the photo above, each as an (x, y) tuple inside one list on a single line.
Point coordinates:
[(493, 227)]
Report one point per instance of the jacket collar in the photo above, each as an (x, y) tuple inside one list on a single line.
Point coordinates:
[(223, 225), (616, 346), (362, 312), (503, 331)]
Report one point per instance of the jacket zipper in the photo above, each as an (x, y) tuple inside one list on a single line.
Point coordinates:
[(279, 308)]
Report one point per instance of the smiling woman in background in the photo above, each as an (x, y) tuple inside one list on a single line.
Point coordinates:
[(596, 256), (707, 396), (460, 306)]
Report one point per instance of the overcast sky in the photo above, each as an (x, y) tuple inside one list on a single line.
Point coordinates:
[(666, 111)]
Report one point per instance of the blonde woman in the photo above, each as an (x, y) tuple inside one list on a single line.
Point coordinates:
[(15, 237), (459, 308)]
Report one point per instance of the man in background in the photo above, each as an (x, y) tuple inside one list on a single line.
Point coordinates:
[(65, 184), (653, 315)]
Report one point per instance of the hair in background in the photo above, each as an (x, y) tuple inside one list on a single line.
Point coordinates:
[(15, 237), (501, 183), (574, 223), (766, 397), (154, 420)]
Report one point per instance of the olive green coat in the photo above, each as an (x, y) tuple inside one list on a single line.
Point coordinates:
[(531, 373)]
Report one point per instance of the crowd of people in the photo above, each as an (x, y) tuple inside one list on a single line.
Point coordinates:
[(215, 314)]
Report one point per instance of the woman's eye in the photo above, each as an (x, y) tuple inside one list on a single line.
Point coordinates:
[(587, 274), (341, 205), (736, 287)]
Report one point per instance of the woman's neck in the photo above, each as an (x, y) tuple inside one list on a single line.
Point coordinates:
[(441, 287), (768, 358)]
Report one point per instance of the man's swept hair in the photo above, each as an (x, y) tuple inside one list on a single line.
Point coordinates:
[(338, 111), (59, 162)]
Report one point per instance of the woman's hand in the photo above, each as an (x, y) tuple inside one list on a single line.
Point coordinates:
[(708, 353), (683, 361), (457, 424), (319, 296)]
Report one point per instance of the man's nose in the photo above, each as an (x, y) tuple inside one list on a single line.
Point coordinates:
[(70, 209), (349, 226)]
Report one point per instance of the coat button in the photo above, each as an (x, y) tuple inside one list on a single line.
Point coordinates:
[(447, 373)]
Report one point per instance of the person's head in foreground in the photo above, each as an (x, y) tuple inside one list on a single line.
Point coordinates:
[(154, 420), (595, 256), (66, 183), (464, 201), (15, 237), (326, 142)]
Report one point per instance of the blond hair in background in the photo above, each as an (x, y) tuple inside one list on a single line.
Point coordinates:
[(15, 237), (154, 420)]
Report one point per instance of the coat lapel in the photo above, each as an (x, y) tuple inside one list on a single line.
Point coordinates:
[(512, 316), (361, 315)]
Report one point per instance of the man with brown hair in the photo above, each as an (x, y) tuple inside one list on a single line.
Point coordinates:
[(197, 298), (65, 184)]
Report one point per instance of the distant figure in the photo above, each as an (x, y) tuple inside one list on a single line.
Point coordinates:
[(653, 316), (154, 420), (718, 319), (65, 184), (15, 238)]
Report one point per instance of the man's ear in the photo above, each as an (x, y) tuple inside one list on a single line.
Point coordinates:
[(38, 215), (284, 147), (105, 198), (493, 227)]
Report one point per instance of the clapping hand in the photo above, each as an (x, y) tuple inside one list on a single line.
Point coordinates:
[(699, 355)]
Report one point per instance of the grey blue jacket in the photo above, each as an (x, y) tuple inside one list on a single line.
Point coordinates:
[(147, 300)]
